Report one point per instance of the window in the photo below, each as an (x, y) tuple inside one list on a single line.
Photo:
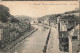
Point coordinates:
[(74, 37)]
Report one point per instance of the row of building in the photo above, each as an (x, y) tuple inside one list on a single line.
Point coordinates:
[(9, 32), (68, 35)]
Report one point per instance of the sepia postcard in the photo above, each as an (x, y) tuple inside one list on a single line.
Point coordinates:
[(39, 27)]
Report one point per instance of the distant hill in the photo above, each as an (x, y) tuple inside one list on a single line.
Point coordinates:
[(22, 17), (74, 12), (71, 15), (47, 17)]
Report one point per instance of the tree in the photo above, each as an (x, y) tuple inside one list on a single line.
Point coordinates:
[(14, 20), (4, 13)]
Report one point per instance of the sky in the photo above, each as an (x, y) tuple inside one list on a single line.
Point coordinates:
[(37, 9)]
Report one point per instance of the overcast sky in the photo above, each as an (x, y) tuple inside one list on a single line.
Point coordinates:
[(38, 9)]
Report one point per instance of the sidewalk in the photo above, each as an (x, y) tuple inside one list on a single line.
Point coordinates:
[(53, 45)]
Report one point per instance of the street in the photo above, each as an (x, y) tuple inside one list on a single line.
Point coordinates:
[(35, 43)]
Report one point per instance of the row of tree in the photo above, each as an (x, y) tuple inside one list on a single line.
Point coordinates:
[(5, 15)]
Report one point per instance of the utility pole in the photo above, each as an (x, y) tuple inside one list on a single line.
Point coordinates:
[(79, 26), (49, 22)]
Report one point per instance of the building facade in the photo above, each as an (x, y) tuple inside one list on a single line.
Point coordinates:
[(4, 35)]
